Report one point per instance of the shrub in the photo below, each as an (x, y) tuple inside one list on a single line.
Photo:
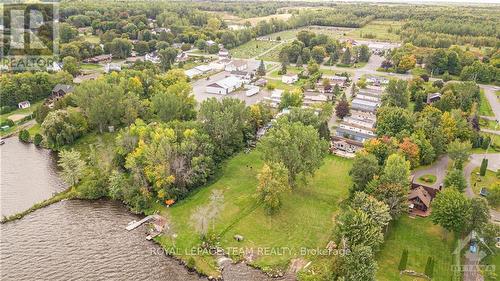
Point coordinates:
[(37, 139), (190, 263), (24, 136), (484, 166), (7, 109), (7, 122), (403, 261)]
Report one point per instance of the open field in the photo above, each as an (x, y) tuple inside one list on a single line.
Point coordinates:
[(305, 219), (422, 239), (232, 19), (252, 49), (379, 30)]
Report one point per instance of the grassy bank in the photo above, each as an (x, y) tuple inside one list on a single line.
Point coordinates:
[(304, 221), (423, 239)]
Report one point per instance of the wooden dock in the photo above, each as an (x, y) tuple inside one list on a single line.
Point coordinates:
[(135, 224)]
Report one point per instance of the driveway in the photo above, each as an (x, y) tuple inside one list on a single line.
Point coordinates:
[(493, 165), (438, 169)]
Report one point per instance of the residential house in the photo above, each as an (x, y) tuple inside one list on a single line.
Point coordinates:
[(364, 105), (419, 201), (433, 97), (109, 67), (99, 59), (58, 92), (24, 104), (238, 65), (193, 72), (251, 90), (345, 145), (223, 53), (182, 57), (203, 68), (152, 57), (246, 76), (354, 132), (360, 118), (311, 98), (210, 43), (225, 86), (368, 97), (275, 99), (54, 67), (289, 78), (337, 80)]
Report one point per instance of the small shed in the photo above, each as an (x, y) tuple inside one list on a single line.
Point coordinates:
[(24, 104)]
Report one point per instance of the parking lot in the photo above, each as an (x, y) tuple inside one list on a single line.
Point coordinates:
[(199, 87)]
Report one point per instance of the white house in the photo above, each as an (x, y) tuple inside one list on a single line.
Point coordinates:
[(210, 43), (251, 90), (275, 98), (217, 65), (246, 76), (55, 67), (112, 67), (182, 57), (225, 86), (237, 65), (24, 104), (192, 72), (152, 57), (203, 68), (289, 78), (223, 53)]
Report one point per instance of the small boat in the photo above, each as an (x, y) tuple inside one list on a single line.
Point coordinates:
[(2, 142)]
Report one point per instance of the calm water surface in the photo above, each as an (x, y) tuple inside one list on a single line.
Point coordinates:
[(76, 240)]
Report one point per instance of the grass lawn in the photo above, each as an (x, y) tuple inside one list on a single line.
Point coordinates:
[(484, 106), (92, 66), (92, 39), (422, 239), (427, 179), (289, 69), (488, 124), (101, 141), (489, 179), (379, 29), (280, 85), (492, 260), (273, 55), (305, 219), (251, 49)]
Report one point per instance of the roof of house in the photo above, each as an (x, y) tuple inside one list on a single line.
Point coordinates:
[(290, 75), (238, 63), (192, 72), (24, 102), (422, 194), (364, 102), (63, 87), (349, 141), (239, 73), (226, 83), (433, 95), (203, 68)]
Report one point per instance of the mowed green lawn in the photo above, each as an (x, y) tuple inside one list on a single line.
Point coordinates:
[(305, 220), (484, 106), (252, 48), (422, 239)]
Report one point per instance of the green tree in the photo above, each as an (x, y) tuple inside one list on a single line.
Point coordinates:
[(359, 264), (61, 128), (37, 139), (396, 171), (261, 71), (312, 67), (394, 195), (484, 166), (480, 213), (292, 98), (297, 146), (176, 102), (378, 211), (394, 121), (299, 62), (358, 229), (226, 123), (318, 54), (346, 56), (451, 210), (429, 267), (364, 168), (71, 65), (24, 135), (167, 58), (273, 182), (455, 179), (72, 166), (364, 53), (459, 152), (67, 32), (396, 94)]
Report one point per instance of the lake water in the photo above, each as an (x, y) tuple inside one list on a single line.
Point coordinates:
[(76, 240)]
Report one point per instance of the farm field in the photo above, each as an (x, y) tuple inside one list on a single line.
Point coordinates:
[(422, 239), (252, 48), (305, 219)]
